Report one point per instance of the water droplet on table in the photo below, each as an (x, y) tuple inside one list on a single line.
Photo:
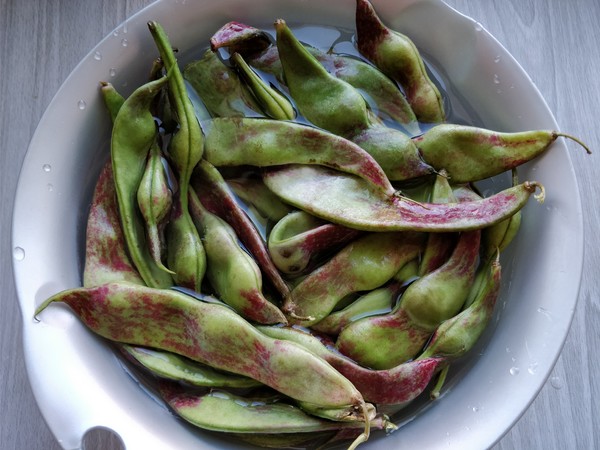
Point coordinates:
[(556, 382), (46, 167), (81, 104), (497, 59), (496, 79)]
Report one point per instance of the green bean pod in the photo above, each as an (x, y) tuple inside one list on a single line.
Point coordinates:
[(216, 196), (382, 94), (231, 271), (397, 385), (185, 254), (253, 192), (155, 200), (326, 101), (456, 336), (112, 99), (470, 153), (134, 133), (263, 143), (214, 335), (385, 341), (223, 411), (170, 366), (220, 88), (336, 106), (439, 245), (272, 102), (106, 258), (398, 57), (376, 302), (298, 238), (364, 264), (347, 200)]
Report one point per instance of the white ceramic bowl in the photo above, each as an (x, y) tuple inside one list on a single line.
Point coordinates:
[(80, 384)]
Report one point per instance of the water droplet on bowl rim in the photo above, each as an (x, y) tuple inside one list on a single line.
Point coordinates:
[(81, 104), (97, 56), (124, 42), (514, 370), (112, 72), (18, 254), (46, 167)]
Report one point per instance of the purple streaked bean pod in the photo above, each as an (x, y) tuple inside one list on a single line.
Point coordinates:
[(263, 143), (231, 271), (298, 238), (470, 153), (385, 341), (397, 385), (214, 335), (216, 196), (347, 200), (397, 56), (364, 264)]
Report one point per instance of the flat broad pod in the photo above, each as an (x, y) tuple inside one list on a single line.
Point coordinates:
[(347, 200), (214, 335), (394, 386)]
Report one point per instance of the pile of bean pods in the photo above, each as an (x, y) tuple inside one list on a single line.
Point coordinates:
[(354, 296)]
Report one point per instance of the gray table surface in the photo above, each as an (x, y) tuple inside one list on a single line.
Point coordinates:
[(555, 41)]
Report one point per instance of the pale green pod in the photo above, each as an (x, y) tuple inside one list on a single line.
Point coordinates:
[(253, 192), (231, 271), (155, 200), (174, 367), (186, 256), (272, 102), (364, 264)]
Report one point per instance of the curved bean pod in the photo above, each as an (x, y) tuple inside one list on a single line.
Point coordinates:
[(223, 411), (185, 254), (263, 143), (364, 264), (398, 57), (298, 237), (215, 195), (394, 386), (134, 132), (231, 271), (336, 106), (456, 336), (351, 202), (171, 366), (376, 302), (106, 258), (213, 335), (385, 341), (471, 153)]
